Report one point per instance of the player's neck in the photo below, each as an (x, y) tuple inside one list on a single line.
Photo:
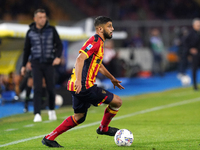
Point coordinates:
[(101, 35)]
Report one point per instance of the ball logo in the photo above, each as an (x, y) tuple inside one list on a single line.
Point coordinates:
[(118, 136), (129, 140), (123, 137)]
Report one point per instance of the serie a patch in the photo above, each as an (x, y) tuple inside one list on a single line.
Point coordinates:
[(89, 46)]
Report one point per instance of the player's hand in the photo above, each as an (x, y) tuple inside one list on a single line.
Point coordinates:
[(56, 61), (78, 86), (117, 83), (23, 71)]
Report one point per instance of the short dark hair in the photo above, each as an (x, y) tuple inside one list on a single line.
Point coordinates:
[(101, 20), (39, 10), (195, 19)]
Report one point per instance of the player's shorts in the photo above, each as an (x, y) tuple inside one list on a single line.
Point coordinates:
[(92, 96)]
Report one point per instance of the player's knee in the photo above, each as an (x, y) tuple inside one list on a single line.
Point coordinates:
[(80, 117), (119, 102), (81, 120), (116, 102)]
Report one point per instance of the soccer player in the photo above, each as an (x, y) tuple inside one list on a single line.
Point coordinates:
[(84, 91)]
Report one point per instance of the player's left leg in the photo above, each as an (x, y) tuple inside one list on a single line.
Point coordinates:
[(67, 124), (110, 111), (80, 113)]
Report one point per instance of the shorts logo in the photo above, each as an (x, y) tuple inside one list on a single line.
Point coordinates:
[(89, 46), (104, 92)]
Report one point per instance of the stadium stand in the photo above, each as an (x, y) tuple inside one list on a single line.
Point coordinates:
[(23, 10), (116, 9), (140, 9), (17, 10)]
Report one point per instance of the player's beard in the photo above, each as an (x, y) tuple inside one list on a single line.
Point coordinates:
[(106, 35)]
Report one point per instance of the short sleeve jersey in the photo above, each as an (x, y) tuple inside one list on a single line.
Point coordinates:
[(93, 49)]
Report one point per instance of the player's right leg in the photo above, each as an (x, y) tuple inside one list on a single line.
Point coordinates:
[(67, 124), (116, 102), (110, 111)]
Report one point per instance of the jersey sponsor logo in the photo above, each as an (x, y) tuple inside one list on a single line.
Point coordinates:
[(89, 46)]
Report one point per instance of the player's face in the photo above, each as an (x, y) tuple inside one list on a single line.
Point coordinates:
[(40, 19), (108, 29)]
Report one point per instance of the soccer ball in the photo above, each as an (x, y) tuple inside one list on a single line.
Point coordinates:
[(123, 137), (185, 80), (58, 100)]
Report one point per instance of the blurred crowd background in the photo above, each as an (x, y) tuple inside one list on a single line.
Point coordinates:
[(145, 21), (116, 9)]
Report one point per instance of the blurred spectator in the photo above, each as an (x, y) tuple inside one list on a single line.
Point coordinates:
[(157, 49), (28, 82), (110, 59), (62, 74), (131, 9), (191, 46), (117, 9), (2, 86), (137, 40), (10, 82), (182, 53)]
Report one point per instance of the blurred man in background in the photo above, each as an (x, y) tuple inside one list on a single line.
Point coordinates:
[(191, 46), (110, 60), (157, 49), (44, 47), (182, 53)]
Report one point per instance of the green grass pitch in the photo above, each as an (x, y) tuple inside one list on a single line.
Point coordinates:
[(168, 120)]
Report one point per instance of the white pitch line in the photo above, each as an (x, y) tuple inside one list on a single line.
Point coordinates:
[(29, 125), (10, 130), (116, 118), (47, 121), (23, 140)]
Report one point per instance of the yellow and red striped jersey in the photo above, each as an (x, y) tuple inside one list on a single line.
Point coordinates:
[(93, 49)]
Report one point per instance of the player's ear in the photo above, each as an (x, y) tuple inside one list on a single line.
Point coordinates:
[(101, 29)]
